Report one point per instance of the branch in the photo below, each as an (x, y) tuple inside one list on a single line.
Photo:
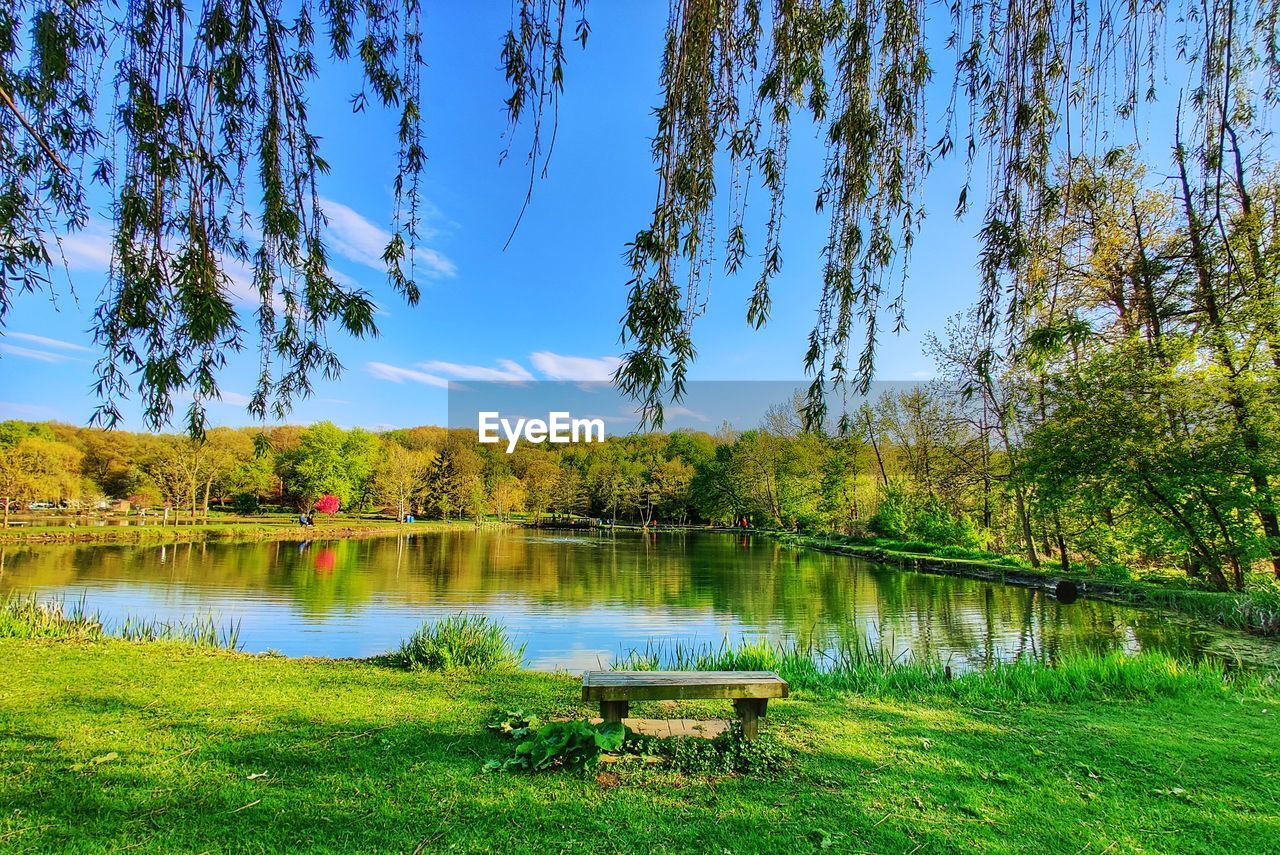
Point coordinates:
[(34, 133)]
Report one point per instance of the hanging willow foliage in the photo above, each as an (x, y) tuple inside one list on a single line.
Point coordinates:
[(1027, 77), (193, 116), (204, 146)]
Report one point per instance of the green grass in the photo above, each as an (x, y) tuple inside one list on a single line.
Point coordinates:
[(461, 641), (109, 746)]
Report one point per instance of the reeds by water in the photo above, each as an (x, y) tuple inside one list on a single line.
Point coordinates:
[(868, 668), (27, 616)]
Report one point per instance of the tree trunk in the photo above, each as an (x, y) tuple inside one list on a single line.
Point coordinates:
[(1028, 538), (884, 477)]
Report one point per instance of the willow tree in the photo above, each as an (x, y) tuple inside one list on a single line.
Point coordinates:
[(204, 149)]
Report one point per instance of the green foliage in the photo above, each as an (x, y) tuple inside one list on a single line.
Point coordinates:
[(727, 754), (461, 641), (865, 667), (560, 744), (330, 461), (26, 616), (245, 504), (578, 744), (905, 516)]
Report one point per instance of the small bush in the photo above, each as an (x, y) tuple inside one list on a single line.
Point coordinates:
[(462, 641)]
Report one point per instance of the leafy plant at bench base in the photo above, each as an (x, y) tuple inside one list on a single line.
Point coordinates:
[(572, 744)]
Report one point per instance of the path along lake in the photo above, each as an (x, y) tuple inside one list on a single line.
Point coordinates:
[(578, 600)]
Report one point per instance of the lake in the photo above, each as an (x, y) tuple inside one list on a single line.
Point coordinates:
[(577, 600)]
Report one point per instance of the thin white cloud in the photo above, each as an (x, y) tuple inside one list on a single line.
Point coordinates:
[(30, 353), (363, 242), (555, 366), (396, 374), (29, 412), (89, 249), (55, 343), (508, 371), (238, 399), (684, 411)]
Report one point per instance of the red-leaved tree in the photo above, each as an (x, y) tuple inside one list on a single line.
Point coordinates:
[(328, 504)]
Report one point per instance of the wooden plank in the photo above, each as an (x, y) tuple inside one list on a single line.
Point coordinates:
[(681, 685)]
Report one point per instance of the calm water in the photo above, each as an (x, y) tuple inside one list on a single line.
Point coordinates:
[(579, 599)]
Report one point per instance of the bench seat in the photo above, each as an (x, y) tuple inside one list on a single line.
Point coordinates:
[(750, 691)]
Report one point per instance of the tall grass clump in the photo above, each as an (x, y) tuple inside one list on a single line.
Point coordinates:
[(461, 641), (24, 616), (866, 668)]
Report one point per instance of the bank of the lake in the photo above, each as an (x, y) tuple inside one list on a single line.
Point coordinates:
[(1253, 611), (266, 528), (110, 746)]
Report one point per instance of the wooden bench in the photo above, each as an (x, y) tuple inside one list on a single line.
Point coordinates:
[(749, 690)]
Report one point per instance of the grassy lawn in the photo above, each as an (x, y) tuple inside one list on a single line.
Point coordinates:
[(109, 746)]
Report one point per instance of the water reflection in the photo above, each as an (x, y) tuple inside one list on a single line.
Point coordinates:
[(578, 599)]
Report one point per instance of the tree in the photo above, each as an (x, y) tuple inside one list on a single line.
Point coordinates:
[(539, 477), (328, 504), (401, 476), (17, 481), (329, 460)]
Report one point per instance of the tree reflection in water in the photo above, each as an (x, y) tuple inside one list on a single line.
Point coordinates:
[(576, 599)]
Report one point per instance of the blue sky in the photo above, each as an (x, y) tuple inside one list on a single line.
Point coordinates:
[(548, 306)]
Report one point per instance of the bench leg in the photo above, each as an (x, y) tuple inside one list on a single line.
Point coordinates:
[(750, 711), (614, 710)]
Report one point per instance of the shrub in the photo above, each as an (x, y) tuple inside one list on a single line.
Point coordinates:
[(462, 641), (245, 504)]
